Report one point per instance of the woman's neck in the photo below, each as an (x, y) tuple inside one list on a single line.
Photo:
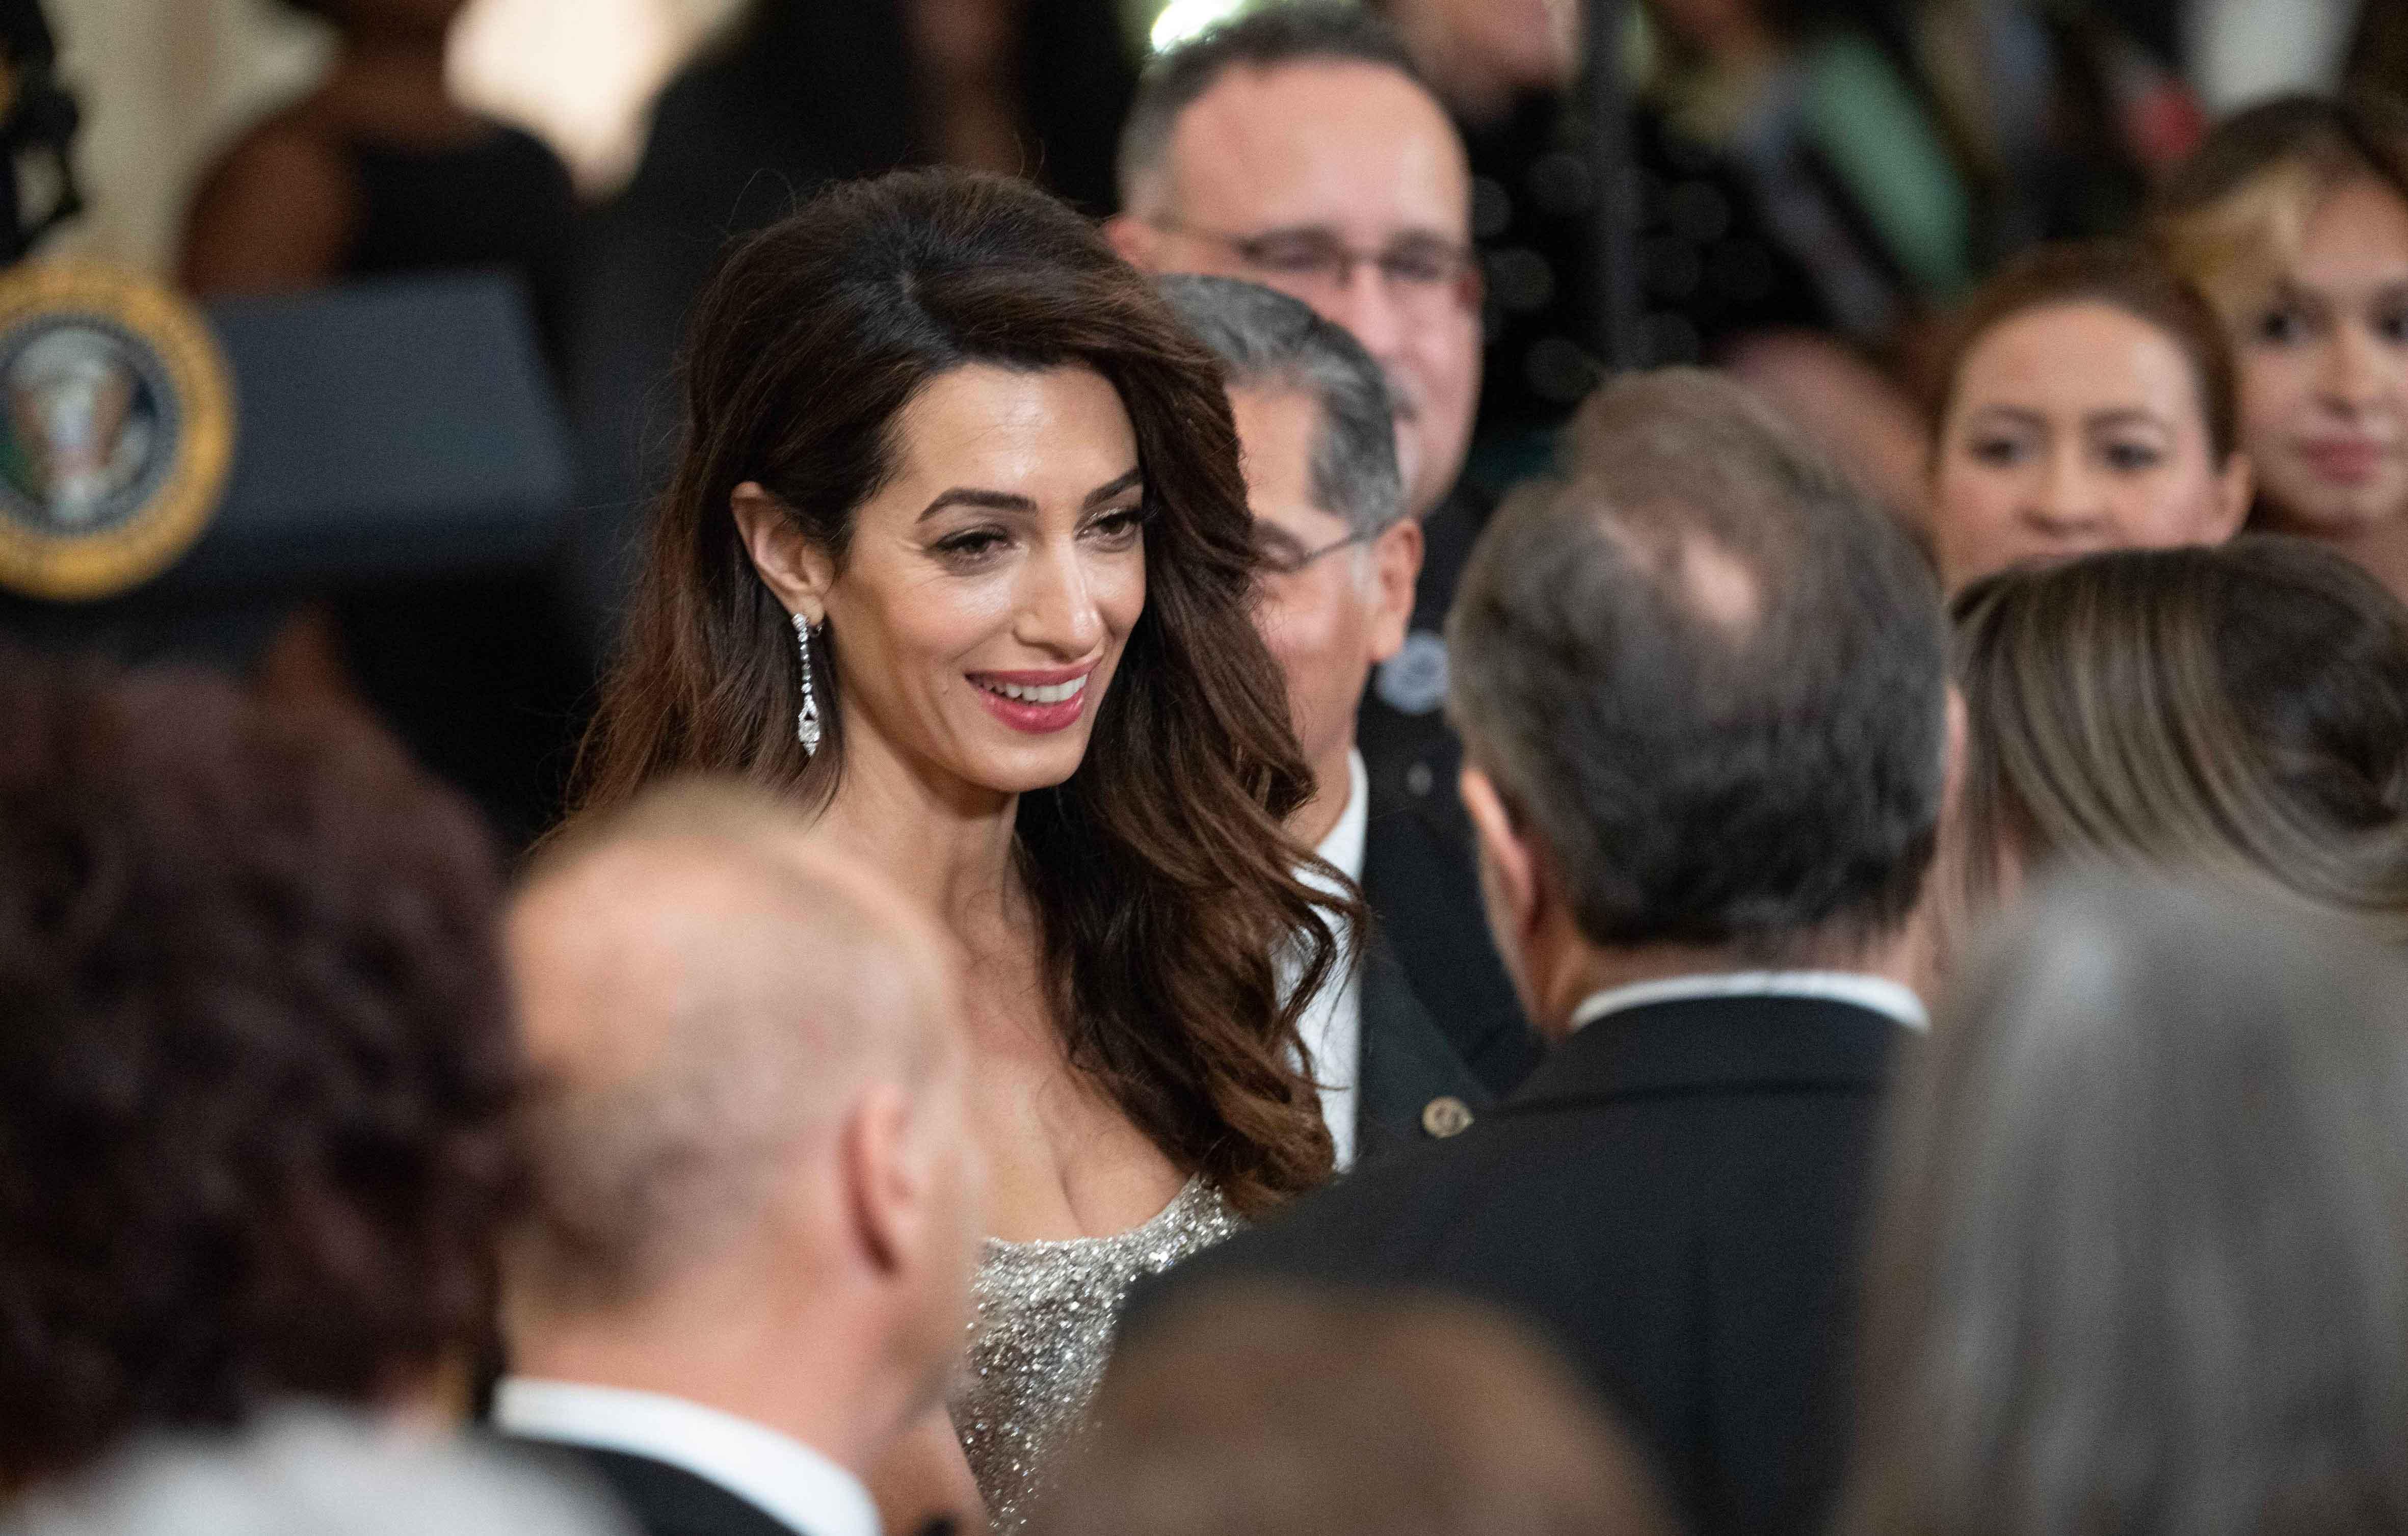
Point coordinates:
[(964, 66), (945, 843), (394, 60), (390, 85)]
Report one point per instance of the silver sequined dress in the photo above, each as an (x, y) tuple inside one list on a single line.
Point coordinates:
[(1041, 1333)]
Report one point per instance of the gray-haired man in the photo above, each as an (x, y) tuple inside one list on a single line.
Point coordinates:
[(1338, 558), (1298, 147), (1703, 690)]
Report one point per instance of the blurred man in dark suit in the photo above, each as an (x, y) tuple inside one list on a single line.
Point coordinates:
[(1703, 696), (1296, 148), (1339, 556), (756, 1202)]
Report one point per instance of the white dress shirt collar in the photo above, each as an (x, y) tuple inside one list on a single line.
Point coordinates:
[(784, 1477), (1877, 993), (1343, 846), (1331, 1026)]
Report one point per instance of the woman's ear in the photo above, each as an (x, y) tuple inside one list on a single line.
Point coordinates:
[(790, 566), (1133, 238), (1955, 743), (2235, 486)]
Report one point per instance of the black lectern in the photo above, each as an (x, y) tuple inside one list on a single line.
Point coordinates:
[(403, 428), (399, 456)]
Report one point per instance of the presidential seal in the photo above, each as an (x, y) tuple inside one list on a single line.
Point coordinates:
[(116, 429)]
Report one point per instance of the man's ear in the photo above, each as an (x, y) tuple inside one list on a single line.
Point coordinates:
[(1396, 569), (1133, 238), (1508, 862), (790, 565), (884, 1193)]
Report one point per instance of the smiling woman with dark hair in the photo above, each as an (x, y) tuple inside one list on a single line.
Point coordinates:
[(939, 433)]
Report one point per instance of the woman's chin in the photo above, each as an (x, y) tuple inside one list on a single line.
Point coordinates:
[(2304, 503), (1022, 768)]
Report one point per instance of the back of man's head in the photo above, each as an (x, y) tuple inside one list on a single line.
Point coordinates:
[(1711, 678), (1310, 32), (723, 1027), (1272, 1411), (1269, 342)]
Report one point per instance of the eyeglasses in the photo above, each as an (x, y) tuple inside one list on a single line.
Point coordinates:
[(1421, 269), (1278, 554)]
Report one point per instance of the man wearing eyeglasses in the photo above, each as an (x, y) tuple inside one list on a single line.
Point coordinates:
[(1338, 557), (1298, 148)]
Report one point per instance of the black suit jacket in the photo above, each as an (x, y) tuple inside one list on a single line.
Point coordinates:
[(1418, 869), (660, 1499), (1412, 1087), (1676, 1198)]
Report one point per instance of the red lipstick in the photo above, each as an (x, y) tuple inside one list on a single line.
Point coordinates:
[(1047, 700), (2344, 461)]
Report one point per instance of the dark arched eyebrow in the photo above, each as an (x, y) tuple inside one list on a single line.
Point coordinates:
[(2020, 415), (1101, 494), (1008, 501)]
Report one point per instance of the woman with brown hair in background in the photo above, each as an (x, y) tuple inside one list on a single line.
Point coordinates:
[(2087, 404), (2293, 220), (957, 555), (2241, 712)]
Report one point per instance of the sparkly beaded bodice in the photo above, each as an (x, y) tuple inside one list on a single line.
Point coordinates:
[(1041, 1332)]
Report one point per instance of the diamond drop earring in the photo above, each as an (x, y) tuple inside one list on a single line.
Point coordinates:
[(807, 723)]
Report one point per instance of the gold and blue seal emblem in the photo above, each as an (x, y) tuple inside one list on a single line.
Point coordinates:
[(117, 422)]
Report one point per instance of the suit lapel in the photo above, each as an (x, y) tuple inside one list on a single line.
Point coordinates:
[(669, 1500), (1409, 1072)]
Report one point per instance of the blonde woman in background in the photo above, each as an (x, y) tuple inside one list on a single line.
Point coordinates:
[(2293, 220)]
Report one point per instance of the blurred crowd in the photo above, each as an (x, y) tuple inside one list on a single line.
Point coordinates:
[(1808, 196), (1169, 860)]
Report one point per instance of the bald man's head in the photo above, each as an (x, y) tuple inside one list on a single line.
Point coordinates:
[(702, 998)]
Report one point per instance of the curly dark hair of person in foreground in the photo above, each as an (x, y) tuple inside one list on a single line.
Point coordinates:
[(256, 1063)]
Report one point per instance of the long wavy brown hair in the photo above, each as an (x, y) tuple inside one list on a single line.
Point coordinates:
[(1168, 890)]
